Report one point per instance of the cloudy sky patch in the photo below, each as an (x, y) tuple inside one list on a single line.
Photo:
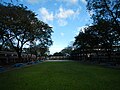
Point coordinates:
[(67, 17)]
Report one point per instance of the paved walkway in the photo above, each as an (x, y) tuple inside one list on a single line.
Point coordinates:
[(57, 60)]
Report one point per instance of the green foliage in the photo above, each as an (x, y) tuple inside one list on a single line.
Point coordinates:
[(107, 10), (67, 51), (95, 35), (61, 76), (20, 26), (104, 32), (58, 54)]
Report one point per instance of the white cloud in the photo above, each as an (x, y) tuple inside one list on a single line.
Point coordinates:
[(69, 1), (46, 15), (63, 14), (33, 1), (74, 1), (84, 1)]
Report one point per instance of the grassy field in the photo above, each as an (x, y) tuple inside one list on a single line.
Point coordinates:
[(61, 76)]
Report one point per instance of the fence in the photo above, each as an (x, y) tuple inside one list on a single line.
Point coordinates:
[(112, 59)]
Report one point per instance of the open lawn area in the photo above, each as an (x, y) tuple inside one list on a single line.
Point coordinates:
[(61, 76)]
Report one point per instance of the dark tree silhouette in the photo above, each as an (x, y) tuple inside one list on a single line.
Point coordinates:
[(108, 10), (20, 26), (106, 17), (67, 51)]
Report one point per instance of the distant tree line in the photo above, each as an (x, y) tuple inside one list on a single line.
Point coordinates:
[(20, 28)]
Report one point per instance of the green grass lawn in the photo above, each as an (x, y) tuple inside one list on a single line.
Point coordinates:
[(61, 76)]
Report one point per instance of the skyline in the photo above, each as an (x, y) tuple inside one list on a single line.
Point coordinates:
[(67, 17)]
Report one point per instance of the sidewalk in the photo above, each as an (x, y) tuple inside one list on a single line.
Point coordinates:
[(57, 60)]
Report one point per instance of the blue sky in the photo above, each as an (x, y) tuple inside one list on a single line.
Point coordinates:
[(67, 17)]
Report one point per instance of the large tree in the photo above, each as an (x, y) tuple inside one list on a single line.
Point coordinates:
[(20, 26), (109, 10), (106, 18), (99, 36)]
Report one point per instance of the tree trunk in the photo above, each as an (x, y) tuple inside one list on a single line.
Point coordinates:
[(19, 52), (19, 57), (0, 47)]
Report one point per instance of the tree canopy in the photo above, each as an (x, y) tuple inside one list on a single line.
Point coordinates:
[(20, 26), (104, 33), (108, 10)]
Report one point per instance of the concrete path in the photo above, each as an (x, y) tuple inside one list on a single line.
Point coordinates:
[(57, 60)]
